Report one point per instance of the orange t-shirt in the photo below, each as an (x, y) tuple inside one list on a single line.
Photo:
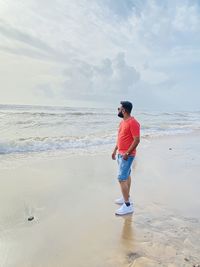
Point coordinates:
[(128, 129)]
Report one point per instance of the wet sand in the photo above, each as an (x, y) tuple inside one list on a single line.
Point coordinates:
[(71, 199)]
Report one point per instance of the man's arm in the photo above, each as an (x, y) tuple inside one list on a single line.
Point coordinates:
[(132, 147), (114, 152)]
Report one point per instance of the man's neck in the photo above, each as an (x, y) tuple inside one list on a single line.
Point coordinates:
[(126, 117)]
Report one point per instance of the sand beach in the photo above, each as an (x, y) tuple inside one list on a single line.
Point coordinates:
[(72, 201)]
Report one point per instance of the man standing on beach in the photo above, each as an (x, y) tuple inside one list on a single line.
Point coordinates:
[(127, 141)]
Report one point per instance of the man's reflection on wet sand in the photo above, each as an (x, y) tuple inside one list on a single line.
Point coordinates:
[(128, 242), (127, 234)]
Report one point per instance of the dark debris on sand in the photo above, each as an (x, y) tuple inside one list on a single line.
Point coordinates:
[(30, 218), (132, 256)]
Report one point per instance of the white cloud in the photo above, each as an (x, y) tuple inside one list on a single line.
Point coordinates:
[(187, 18), (97, 81), (154, 77), (88, 50)]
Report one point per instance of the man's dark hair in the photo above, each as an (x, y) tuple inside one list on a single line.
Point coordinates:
[(127, 106)]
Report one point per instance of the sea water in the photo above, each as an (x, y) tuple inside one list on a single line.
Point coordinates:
[(36, 130)]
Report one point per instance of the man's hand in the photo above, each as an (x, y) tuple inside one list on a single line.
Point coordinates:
[(125, 156), (114, 155)]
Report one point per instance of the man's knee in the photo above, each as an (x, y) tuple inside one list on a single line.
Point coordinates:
[(123, 181)]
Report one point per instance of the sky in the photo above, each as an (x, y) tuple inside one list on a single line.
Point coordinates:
[(97, 52)]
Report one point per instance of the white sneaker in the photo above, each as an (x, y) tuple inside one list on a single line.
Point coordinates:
[(120, 201), (123, 210)]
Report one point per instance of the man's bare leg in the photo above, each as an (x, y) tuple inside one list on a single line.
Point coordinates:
[(129, 185), (125, 190)]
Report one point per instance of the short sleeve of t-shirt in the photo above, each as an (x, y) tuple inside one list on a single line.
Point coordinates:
[(135, 128)]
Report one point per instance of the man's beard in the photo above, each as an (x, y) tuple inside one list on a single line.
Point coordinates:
[(120, 114)]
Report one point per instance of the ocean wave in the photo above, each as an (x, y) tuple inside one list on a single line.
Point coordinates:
[(48, 114), (40, 144), (34, 129), (55, 143), (24, 122)]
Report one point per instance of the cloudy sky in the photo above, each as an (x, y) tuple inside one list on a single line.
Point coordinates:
[(97, 52)]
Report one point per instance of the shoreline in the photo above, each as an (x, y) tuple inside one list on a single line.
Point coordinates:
[(64, 154)]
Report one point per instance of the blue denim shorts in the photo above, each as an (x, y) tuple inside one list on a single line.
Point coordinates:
[(124, 167)]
